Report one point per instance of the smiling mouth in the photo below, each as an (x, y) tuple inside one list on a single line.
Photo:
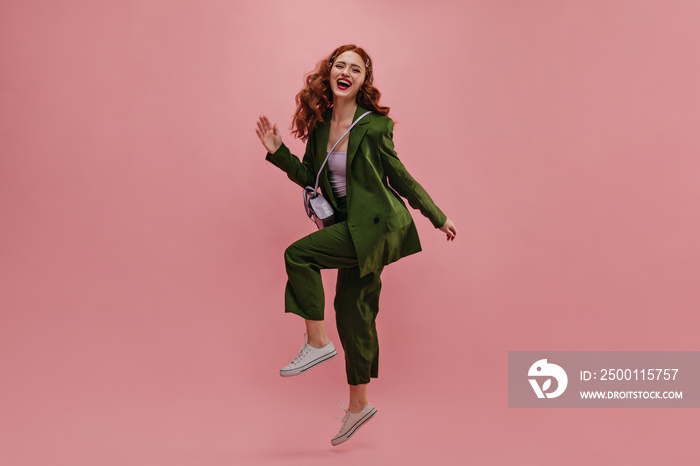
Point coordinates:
[(343, 84)]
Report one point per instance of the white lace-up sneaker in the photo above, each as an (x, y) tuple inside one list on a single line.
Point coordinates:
[(307, 358), (352, 422)]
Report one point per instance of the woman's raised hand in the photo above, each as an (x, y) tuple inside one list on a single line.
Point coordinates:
[(269, 135), (449, 229)]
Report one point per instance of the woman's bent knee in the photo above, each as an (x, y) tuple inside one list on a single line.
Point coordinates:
[(292, 253)]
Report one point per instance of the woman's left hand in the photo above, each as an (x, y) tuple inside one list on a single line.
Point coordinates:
[(449, 229)]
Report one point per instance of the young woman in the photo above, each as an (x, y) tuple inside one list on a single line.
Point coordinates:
[(362, 179)]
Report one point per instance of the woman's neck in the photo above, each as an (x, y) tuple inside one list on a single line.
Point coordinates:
[(343, 111)]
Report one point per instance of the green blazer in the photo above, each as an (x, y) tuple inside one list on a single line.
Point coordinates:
[(380, 225)]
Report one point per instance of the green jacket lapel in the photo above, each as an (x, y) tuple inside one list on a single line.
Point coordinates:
[(356, 134), (322, 137), (321, 152)]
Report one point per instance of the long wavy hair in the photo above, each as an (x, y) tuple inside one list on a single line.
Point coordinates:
[(317, 96)]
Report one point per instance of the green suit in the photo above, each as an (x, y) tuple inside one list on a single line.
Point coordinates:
[(381, 227), (373, 228)]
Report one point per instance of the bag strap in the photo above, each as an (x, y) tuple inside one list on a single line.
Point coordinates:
[(318, 176)]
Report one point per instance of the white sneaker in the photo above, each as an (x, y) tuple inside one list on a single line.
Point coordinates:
[(352, 422), (307, 358)]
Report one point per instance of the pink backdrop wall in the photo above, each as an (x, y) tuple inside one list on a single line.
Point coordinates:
[(141, 231)]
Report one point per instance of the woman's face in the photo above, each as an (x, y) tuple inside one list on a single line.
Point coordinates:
[(347, 75)]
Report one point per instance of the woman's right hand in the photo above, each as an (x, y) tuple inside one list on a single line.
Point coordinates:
[(269, 135)]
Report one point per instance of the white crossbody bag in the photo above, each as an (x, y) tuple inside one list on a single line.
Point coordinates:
[(317, 207)]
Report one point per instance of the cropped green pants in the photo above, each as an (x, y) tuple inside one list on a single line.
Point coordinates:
[(356, 298)]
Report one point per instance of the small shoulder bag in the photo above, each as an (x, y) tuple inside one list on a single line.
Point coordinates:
[(317, 207)]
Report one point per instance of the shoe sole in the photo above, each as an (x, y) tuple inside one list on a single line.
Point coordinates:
[(345, 437), (314, 363)]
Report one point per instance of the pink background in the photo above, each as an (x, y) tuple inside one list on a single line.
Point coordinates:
[(141, 231)]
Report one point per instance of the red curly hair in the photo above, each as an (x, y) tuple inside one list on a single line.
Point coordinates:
[(317, 96)]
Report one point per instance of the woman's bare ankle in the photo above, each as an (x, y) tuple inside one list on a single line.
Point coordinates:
[(318, 341), (358, 398), (316, 334)]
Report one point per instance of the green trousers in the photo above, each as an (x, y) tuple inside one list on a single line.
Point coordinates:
[(356, 298)]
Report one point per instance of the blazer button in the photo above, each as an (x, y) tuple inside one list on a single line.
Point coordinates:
[(376, 220)]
